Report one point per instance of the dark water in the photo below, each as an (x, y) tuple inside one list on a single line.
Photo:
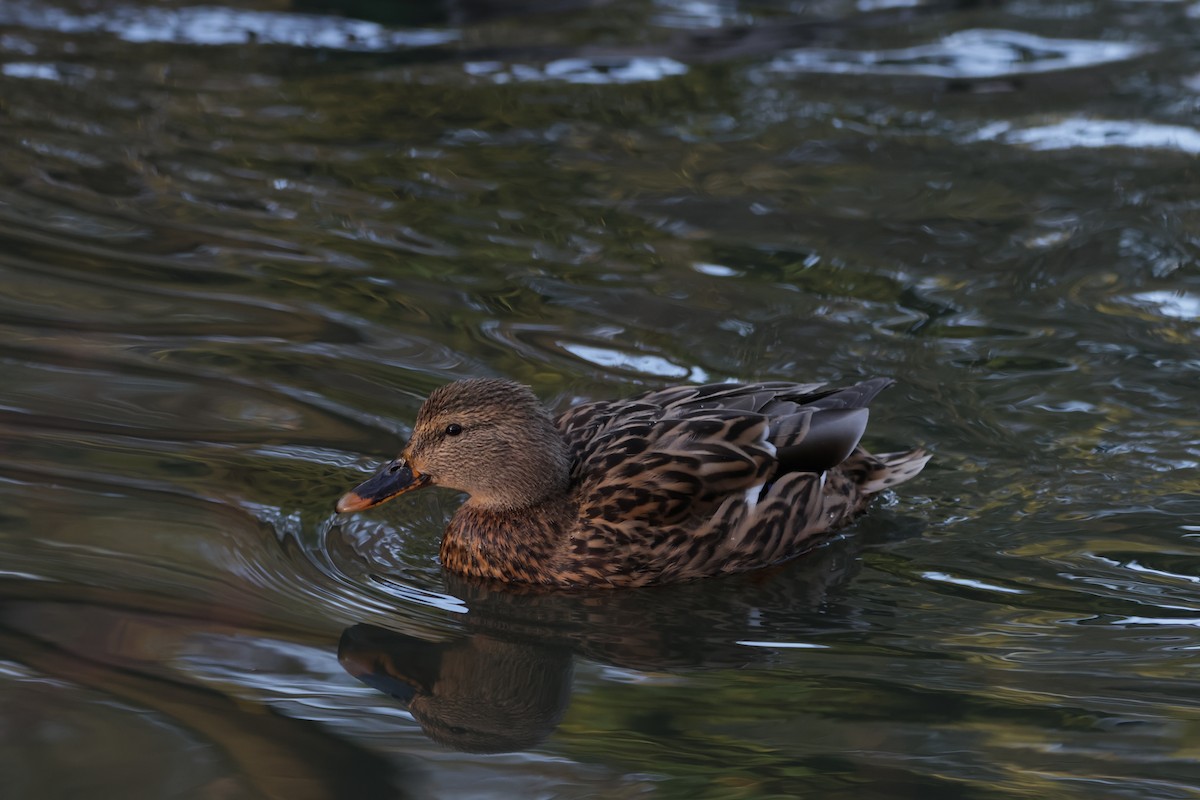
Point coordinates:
[(238, 244)]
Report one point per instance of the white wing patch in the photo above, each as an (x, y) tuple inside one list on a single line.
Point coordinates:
[(755, 492), (753, 495)]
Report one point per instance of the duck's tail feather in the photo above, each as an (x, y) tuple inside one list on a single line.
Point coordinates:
[(885, 470)]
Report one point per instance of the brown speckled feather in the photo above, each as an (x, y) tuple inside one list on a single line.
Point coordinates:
[(680, 483), (695, 480)]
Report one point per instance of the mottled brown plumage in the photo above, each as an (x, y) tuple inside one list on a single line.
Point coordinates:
[(681, 483)]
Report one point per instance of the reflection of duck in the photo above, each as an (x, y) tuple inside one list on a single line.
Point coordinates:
[(478, 693), (505, 684), (675, 484)]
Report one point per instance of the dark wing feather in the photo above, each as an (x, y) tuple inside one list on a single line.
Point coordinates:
[(814, 441), (825, 427)]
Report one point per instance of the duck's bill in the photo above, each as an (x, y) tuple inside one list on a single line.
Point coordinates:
[(393, 480)]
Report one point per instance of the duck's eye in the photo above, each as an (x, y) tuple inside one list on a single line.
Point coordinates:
[(453, 429)]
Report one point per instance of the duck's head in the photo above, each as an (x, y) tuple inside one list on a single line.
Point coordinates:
[(489, 438)]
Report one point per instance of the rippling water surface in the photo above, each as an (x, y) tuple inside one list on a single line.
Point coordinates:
[(239, 243)]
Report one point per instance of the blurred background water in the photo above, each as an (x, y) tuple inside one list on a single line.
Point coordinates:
[(240, 242)]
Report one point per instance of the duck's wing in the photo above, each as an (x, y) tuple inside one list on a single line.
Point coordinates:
[(703, 480), (812, 427), (660, 469), (819, 429), (733, 396), (670, 454), (585, 426)]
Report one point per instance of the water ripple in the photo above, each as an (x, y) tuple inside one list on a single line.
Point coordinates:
[(239, 246), (217, 25), (965, 54), (1091, 133), (581, 70)]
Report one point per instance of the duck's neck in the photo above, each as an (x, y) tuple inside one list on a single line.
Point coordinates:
[(526, 475), (514, 546)]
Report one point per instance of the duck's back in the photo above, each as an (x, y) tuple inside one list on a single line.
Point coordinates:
[(707, 480)]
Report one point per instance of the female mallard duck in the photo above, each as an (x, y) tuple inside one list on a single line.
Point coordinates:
[(680, 483)]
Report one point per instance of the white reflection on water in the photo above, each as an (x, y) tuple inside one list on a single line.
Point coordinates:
[(965, 54), (715, 270), (972, 583), (44, 72), (426, 597), (879, 5), (1177, 305), (1079, 132), (24, 576), (212, 25), (1135, 566), (700, 13), (580, 70), (649, 365), (1167, 621)]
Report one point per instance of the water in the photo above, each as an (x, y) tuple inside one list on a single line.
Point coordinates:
[(238, 246)]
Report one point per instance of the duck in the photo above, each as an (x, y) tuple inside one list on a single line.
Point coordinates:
[(671, 485)]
